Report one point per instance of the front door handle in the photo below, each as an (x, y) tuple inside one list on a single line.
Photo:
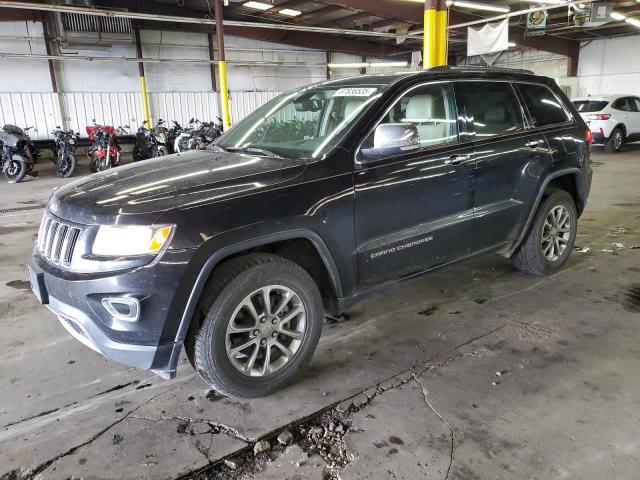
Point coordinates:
[(534, 143), (458, 159)]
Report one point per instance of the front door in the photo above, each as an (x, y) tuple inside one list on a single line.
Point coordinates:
[(414, 210)]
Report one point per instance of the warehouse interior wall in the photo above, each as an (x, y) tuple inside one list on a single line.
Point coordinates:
[(606, 66)]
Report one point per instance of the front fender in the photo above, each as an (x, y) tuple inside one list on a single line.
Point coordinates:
[(215, 250), (202, 263)]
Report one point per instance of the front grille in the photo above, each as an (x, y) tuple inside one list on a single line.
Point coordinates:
[(56, 240)]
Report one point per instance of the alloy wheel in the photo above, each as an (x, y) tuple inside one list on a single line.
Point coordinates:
[(556, 232), (617, 139), (266, 330)]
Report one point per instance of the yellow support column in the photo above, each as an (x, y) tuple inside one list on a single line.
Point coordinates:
[(143, 83), (145, 102), (222, 67), (435, 33), (224, 95)]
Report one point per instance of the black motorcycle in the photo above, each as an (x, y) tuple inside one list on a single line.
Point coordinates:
[(64, 153), (172, 134), (198, 135), (150, 143), (19, 154)]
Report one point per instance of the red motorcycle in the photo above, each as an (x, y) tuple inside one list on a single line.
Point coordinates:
[(104, 151)]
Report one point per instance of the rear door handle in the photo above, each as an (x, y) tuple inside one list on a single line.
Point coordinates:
[(534, 143), (458, 159)]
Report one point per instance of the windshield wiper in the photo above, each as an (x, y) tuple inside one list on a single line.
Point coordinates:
[(259, 151)]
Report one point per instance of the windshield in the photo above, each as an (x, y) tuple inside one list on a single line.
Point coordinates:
[(302, 124), (585, 106)]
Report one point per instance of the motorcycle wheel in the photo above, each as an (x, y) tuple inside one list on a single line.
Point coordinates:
[(16, 171), (137, 154), (65, 167), (103, 164), (162, 151), (94, 164)]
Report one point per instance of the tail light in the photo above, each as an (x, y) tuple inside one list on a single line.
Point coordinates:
[(589, 137), (599, 116)]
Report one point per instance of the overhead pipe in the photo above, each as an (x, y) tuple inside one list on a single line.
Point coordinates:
[(519, 13), (101, 12)]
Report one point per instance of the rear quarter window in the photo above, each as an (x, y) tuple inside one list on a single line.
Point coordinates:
[(588, 106), (545, 108)]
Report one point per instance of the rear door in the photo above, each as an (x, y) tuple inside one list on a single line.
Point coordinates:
[(414, 210), (508, 160), (635, 134)]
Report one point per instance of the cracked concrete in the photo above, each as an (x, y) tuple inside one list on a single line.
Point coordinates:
[(530, 377)]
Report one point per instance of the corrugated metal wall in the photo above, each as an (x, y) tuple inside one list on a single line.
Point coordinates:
[(44, 110), (622, 83)]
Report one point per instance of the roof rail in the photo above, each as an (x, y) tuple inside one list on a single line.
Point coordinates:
[(478, 68)]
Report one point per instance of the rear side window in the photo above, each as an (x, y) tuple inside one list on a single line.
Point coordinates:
[(494, 108), (544, 107), (588, 106)]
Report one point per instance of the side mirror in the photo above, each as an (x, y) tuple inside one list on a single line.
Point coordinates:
[(392, 139)]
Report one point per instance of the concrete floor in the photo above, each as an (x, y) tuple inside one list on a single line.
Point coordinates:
[(473, 372)]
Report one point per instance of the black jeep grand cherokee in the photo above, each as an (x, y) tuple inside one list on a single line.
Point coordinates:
[(321, 195)]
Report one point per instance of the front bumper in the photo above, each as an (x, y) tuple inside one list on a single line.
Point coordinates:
[(76, 299)]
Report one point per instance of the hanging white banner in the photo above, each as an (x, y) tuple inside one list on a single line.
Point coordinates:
[(490, 38)]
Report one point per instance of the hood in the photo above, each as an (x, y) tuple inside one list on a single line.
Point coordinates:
[(155, 186)]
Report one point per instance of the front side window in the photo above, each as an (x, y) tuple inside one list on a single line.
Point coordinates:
[(426, 114), (544, 107), (301, 124), (494, 108)]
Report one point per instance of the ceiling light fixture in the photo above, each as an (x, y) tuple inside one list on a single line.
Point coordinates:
[(289, 12), (257, 5), (617, 16), (633, 21), (474, 5), (366, 64), (550, 2)]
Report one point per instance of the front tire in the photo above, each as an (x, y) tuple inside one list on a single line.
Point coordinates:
[(257, 326), (66, 166), (550, 240), (615, 141), (15, 171)]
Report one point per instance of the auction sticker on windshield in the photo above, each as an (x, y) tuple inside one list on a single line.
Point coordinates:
[(355, 92)]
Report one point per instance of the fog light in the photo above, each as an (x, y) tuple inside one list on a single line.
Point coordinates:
[(126, 309)]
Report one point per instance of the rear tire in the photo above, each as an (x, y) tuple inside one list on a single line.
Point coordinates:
[(214, 337), (615, 141), (550, 239)]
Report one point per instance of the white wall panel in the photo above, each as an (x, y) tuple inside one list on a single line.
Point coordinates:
[(79, 109)]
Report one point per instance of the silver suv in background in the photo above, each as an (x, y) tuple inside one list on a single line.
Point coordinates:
[(612, 119)]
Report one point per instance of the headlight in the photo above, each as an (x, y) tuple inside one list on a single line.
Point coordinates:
[(127, 240)]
